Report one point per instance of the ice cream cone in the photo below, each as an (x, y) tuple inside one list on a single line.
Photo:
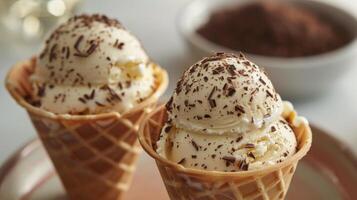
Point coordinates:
[(94, 155), (271, 182)]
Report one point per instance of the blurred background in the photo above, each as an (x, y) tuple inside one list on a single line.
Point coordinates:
[(322, 87)]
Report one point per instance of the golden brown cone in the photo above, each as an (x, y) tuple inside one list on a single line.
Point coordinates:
[(94, 155), (184, 183)]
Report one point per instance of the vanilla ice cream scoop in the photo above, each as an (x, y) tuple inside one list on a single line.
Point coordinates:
[(224, 94), (92, 64), (228, 152), (225, 115)]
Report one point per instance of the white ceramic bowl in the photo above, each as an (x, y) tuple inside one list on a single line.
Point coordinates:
[(292, 77)]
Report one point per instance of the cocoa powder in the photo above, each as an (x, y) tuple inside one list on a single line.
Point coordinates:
[(274, 29)]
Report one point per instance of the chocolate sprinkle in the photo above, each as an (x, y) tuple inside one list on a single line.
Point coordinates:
[(230, 159), (212, 92), (92, 48), (239, 138), (167, 129), (269, 94), (231, 92), (239, 108), (249, 145), (262, 81), (182, 161), (99, 104), (195, 145), (52, 53), (82, 100), (212, 103), (243, 165), (250, 154), (79, 40)]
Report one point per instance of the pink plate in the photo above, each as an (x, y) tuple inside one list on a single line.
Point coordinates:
[(328, 172)]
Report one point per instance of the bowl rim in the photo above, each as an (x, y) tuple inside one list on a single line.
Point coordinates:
[(205, 45)]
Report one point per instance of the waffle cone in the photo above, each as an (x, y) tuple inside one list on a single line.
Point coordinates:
[(183, 183), (94, 155)]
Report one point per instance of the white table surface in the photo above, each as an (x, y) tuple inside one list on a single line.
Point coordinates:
[(153, 21)]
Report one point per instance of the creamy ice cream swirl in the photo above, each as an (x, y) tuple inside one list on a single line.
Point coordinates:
[(92, 64), (225, 115), (224, 94)]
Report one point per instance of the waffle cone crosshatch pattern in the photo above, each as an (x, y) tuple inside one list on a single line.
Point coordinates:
[(183, 183), (94, 155)]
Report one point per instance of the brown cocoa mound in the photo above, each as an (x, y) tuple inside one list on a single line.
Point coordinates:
[(274, 29)]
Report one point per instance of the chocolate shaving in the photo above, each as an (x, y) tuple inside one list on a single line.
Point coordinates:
[(116, 43), (212, 103), (249, 145), (79, 40), (169, 105), (250, 154), (239, 138), (231, 91), (79, 54), (121, 45), (209, 59), (167, 129), (82, 100), (52, 53), (243, 165), (242, 72), (195, 145), (114, 94), (41, 90), (239, 108), (120, 85), (92, 94), (179, 86), (262, 81), (241, 55), (231, 70), (225, 86), (91, 49), (67, 53), (269, 94), (192, 69), (44, 52), (212, 92), (99, 104), (230, 159), (246, 63), (183, 160), (218, 70)]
